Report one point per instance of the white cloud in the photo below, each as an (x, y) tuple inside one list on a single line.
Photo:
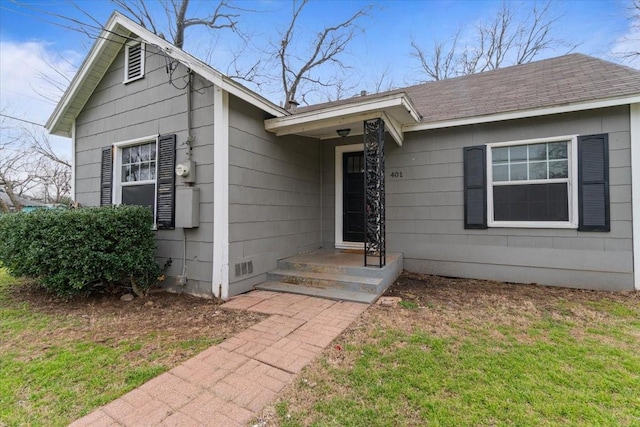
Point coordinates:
[(31, 74), (31, 77)]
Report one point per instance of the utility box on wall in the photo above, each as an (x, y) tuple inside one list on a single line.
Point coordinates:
[(187, 207)]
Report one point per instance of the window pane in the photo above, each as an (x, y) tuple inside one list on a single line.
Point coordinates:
[(557, 150), (152, 151), (538, 170), (501, 172), (500, 155), (135, 154), (536, 202), (144, 152), (139, 195), (537, 152), (144, 171), (126, 155), (519, 171), (558, 169), (135, 173), (126, 173), (152, 170), (519, 152)]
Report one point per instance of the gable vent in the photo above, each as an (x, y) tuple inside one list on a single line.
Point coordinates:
[(134, 62)]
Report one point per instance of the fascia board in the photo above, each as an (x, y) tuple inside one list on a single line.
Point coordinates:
[(306, 119), (394, 128), (523, 114)]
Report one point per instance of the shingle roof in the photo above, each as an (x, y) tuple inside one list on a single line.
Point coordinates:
[(569, 79)]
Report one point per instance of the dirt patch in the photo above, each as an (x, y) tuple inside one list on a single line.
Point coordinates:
[(166, 317)]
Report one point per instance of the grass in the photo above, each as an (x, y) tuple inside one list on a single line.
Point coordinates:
[(54, 381), (572, 364)]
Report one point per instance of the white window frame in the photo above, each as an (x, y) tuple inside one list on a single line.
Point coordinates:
[(117, 170), (143, 55), (572, 184)]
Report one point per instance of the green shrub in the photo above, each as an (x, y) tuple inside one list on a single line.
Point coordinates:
[(81, 250)]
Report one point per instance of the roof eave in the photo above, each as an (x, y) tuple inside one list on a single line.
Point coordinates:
[(520, 114)]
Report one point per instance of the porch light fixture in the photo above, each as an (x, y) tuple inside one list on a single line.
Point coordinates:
[(343, 132)]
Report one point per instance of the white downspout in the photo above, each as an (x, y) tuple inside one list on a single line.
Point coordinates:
[(220, 276), (635, 190)]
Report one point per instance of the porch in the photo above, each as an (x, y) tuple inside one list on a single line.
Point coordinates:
[(334, 274)]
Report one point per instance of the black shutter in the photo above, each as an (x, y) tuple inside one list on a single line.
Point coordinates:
[(106, 176), (166, 189), (475, 187), (593, 183)]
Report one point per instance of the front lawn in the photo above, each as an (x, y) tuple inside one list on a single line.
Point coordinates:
[(59, 360), (465, 352)]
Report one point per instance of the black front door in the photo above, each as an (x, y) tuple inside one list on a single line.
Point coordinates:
[(353, 197)]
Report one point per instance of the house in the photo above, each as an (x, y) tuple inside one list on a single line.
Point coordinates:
[(28, 205), (526, 174)]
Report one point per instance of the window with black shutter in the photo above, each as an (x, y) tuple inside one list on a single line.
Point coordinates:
[(143, 175), (560, 182)]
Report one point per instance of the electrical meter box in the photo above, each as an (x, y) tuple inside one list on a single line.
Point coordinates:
[(187, 207)]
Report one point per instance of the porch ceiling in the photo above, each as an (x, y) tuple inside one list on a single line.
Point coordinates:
[(396, 110)]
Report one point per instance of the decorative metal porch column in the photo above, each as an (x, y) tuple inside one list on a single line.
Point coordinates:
[(374, 213)]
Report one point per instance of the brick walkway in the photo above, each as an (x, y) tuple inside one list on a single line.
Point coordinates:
[(227, 384)]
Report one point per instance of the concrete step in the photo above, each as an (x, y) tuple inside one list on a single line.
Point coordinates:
[(372, 285), (329, 293), (318, 267)]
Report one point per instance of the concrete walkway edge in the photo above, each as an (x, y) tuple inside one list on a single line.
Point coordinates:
[(228, 384)]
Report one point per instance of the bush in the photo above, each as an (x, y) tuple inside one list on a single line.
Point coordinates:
[(81, 250)]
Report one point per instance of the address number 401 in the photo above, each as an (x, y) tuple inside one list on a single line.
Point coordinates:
[(396, 174)]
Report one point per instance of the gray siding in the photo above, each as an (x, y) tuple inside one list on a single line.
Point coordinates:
[(425, 209), (274, 195), (151, 106)]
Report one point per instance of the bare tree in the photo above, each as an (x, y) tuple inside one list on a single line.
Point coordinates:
[(29, 166), (329, 43), (55, 181), (440, 63), (382, 80), (224, 15), (633, 40), (502, 41)]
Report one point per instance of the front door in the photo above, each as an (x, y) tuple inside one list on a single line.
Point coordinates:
[(353, 197)]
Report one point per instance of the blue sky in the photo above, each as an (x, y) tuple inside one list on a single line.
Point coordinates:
[(598, 28)]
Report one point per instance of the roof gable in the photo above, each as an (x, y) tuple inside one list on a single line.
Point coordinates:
[(117, 31)]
